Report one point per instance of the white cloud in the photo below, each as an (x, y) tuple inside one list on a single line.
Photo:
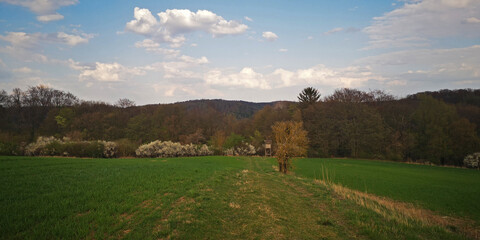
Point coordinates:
[(109, 72), (184, 67), (432, 68), (334, 30), (154, 47), (310, 38), (44, 9), (417, 23), (246, 78), (173, 23), (22, 70), (426, 57), (188, 59), (32, 40), (77, 66), (24, 54), (283, 50), (353, 76), (248, 19), (319, 75), (472, 20), (50, 17), (397, 83), (69, 39), (21, 39), (27, 45), (270, 36)]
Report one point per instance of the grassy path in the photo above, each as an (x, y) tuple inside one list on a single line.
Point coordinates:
[(185, 198), (259, 203)]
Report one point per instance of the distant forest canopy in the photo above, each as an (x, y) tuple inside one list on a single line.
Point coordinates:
[(439, 127)]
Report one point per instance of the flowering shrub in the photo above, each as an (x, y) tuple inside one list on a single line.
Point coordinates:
[(50, 146), (38, 148), (242, 150), (472, 160), (109, 149), (171, 149)]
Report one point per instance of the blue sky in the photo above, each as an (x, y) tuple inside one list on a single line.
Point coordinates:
[(168, 51)]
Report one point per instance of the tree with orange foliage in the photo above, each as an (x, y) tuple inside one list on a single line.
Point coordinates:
[(291, 141)]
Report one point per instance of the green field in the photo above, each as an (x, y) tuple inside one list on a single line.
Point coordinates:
[(203, 198), (449, 191)]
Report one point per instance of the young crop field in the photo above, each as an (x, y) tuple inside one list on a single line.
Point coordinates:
[(232, 198), (450, 191)]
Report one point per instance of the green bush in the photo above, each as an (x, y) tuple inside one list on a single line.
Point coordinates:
[(233, 141), (92, 149), (10, 149), (55, 148), (126, 147)]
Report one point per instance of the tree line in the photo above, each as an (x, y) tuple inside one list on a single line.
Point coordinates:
[(438, 127)]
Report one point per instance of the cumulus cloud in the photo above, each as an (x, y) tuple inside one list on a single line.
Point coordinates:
[(108, 72), (248, 19), (283, 50), (320, 75), (354, 76), (172, 24), (44, 9), (269, 36), (246, 78), (416, 23)]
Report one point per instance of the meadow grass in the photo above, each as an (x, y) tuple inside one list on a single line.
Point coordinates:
[(449, 191), (184, 198)]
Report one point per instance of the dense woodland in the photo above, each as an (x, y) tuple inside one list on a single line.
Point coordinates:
[(437, 127)]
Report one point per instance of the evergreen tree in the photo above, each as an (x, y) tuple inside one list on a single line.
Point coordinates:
[(308, 97)]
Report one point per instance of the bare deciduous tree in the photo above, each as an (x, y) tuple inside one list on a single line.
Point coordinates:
[(124, 103)]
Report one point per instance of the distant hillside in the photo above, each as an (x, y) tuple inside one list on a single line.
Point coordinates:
[(459, 96), (239, 109)]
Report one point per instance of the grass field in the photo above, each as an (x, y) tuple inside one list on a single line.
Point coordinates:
[(192, 198), (450, 191)]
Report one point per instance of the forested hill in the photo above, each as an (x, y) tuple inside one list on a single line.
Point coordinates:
[(460, 96), (239, 109)]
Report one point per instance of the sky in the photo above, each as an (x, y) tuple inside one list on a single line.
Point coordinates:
[(175, 50)]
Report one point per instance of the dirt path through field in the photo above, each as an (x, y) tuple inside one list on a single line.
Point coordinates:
[(257, 202)]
